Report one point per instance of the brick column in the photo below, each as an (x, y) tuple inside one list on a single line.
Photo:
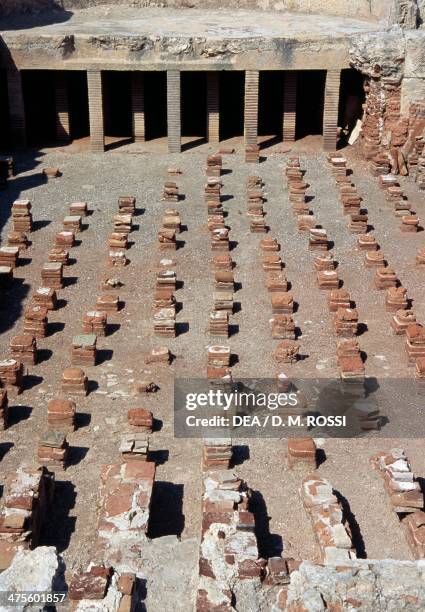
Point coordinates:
[(251, 107), (289, 106), (16, 108), (138, 106), (330, 114), (63, 127), (97, 129), (173, 111), (213, 107)]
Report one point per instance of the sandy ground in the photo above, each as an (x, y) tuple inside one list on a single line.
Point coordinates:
[(170, 558)]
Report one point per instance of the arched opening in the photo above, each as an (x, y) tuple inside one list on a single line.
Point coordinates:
[(46, 92), (40, 107), (78, 104), (352, 98), (155, 104), (270, 108), (117, 105), (232, 92), (194, 105), (310, 102)]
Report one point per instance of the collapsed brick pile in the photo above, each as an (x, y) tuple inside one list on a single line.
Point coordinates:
[(125, 497), (361, 584), (393, 143), (103, 588), (417, 143), (372, 128), (25, 504), (228, 549), (416, 140), (330, 526), (405, 496)]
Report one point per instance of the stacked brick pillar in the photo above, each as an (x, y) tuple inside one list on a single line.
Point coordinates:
[(330, 115), (251, 107), (213, 107), (138, 106), (289, 106), (63, 126), (97, 128), (173, 111)]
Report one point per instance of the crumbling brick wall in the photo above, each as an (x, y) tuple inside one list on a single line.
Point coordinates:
[(28, 494), (228, 551), (125, 498), (385, 130), (330, 526)]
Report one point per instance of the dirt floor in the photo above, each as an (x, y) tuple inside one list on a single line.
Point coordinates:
[(170, 559)]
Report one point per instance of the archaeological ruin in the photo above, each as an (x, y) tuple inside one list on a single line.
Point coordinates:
[(212, 305)]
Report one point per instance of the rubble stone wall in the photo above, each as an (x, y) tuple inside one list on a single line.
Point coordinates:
[(394, 69), (360, 584)]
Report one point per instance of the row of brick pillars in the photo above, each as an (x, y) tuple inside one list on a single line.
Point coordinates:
[(96, 108)]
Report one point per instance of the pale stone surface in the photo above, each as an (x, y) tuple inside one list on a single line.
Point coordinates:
[(356, 8), (421, 5), (171, 23), (412, 90), (376, 54), (404, 12), (32, 570), (415, 54), (374, 585)]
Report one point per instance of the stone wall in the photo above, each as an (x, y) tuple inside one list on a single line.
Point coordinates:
[(394, 69), (413, 86)]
